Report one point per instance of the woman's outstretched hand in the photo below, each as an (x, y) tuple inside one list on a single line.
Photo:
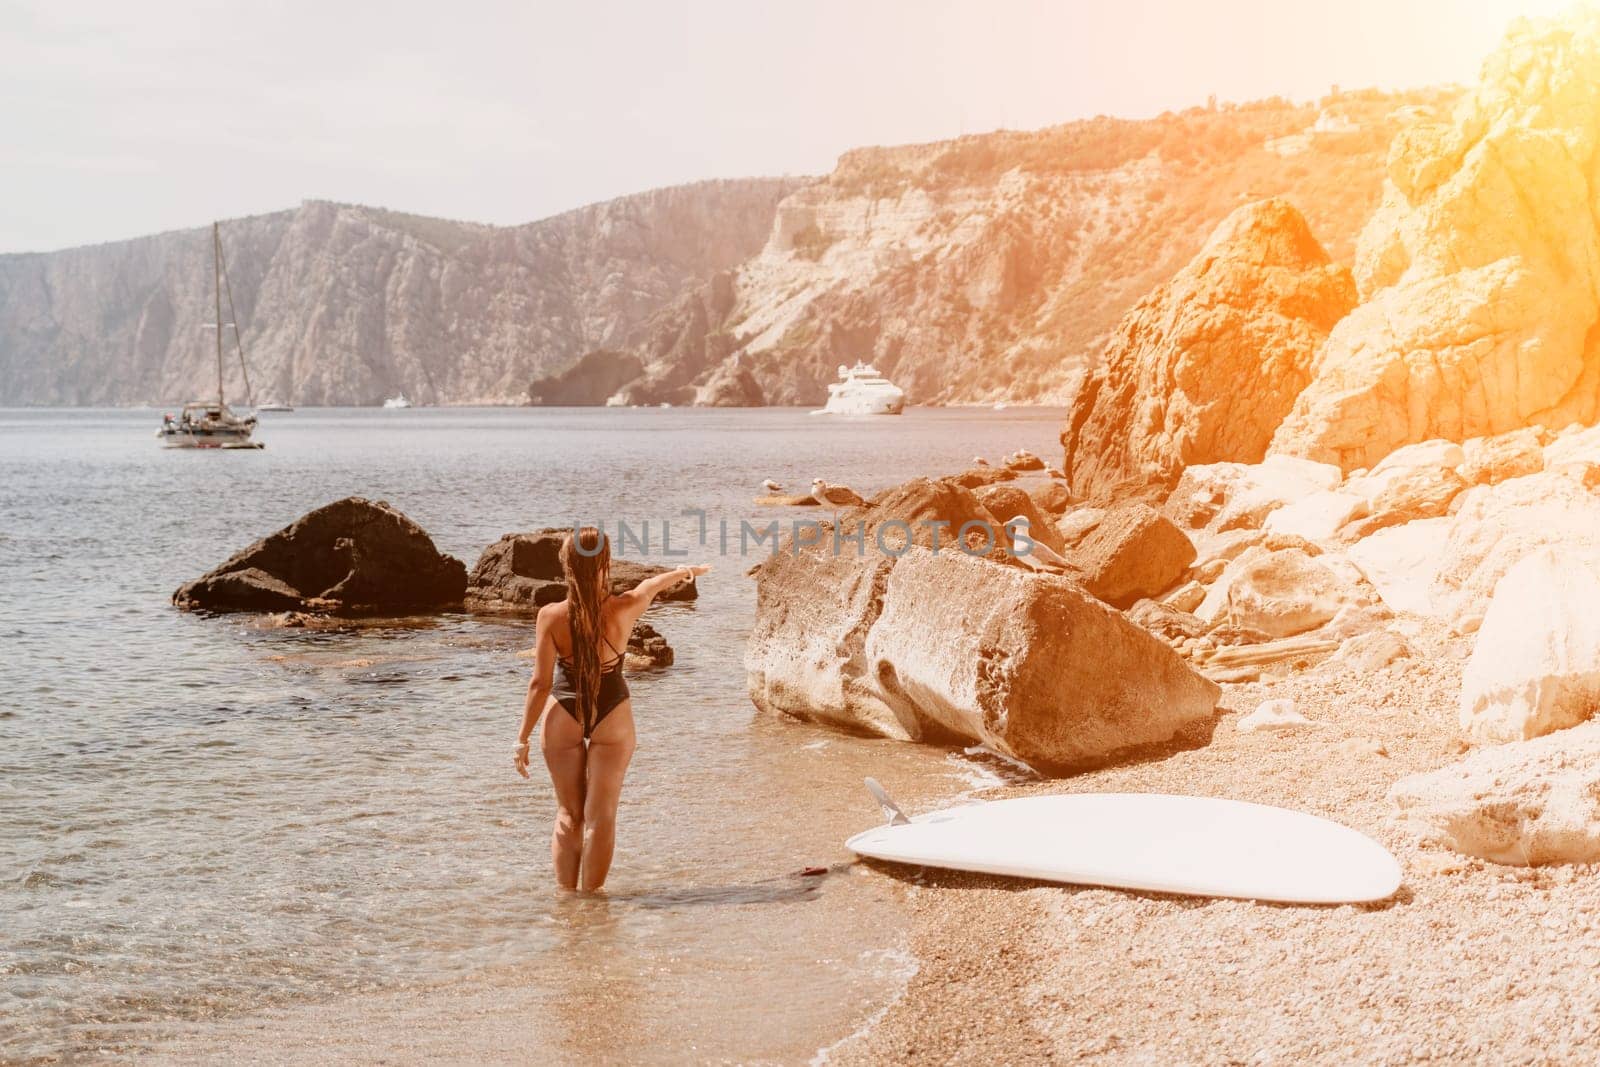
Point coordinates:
[(697, 569), (521, 759)]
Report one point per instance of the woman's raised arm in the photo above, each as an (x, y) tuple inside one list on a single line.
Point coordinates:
[(635, 600)]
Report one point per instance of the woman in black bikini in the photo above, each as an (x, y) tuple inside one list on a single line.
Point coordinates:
[(587, 718)]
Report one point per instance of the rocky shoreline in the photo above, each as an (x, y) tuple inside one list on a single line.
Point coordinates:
[(1370, 503), (357, 559), (1472, 961)]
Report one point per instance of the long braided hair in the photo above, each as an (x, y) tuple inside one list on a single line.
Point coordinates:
[(587, 574)]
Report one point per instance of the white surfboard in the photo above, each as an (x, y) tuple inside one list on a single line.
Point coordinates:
[(1197, 846)]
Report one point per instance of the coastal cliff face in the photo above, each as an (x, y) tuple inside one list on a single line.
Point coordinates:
[(996, 267), (1205, 367), (341, 304), (1480, 273)]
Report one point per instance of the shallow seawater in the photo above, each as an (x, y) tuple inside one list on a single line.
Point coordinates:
[(203, 819)]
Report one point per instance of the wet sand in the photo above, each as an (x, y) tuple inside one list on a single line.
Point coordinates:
[(1469, 962)]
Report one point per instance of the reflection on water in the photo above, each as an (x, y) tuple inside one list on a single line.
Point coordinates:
[(789, 890), (202, 819)]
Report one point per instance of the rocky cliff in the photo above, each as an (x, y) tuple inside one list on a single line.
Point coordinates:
[(1205, 368), (995, 267), (992, 267), (345, 305), (1480, 273)]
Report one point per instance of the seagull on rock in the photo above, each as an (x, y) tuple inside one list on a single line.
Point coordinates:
[(1040, 556), (840, 496), (979, 461), (771, 486)]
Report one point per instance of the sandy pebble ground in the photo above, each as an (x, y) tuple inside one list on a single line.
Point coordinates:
[(1471, 962)]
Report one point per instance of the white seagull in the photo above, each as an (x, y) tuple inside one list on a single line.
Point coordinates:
[(840, 496)]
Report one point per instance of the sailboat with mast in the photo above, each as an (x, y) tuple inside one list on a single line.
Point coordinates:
[(212, 423)]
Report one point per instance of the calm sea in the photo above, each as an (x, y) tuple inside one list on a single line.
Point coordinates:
[(205, 821)]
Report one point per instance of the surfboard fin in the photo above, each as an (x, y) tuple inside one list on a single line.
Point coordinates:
[(891, 810)]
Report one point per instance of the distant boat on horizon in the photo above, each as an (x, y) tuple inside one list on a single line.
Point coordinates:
[(861, 390), (274, 405), (397, 401), (207, 423)]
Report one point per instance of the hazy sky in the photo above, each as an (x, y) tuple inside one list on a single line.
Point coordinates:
[(129, 118)]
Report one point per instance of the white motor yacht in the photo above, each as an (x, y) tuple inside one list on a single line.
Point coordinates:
[(861, 390)]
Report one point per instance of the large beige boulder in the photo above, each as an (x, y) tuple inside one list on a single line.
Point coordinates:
[(1535, 667), (1574, 445), (1401, 562), (1526, 803), (1285, 593), (1319, 516), (1422, 493), (1479, 273), (933, 513), (1205, 367), (947, 647), (1219, 497), (1490, 460), (1495, 526), (1133, 552)]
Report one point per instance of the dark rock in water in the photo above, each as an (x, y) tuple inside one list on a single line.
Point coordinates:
[(590, 381), (1132, 553), (647, 649), (520, 573), (350, 557)]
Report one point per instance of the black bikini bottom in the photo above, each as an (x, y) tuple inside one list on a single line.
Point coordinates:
[(613, 691)]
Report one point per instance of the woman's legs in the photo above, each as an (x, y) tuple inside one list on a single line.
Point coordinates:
[(610, 749), (561, 741)]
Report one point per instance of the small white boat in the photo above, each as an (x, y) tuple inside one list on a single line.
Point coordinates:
[(397, 401), (274, 405), (212, 423), (861, 390)]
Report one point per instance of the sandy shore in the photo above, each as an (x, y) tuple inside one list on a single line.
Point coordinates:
[(1471, 962)]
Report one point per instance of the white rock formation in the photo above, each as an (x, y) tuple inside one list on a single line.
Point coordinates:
[(1401, 562), (1285, 593), (1319, 516), (1536, 665), (1228, 496), (1526, 803), (1480, 273), (1279, 714), (1497, 525)]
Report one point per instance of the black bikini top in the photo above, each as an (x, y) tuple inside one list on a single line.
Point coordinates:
[(565, 662)]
